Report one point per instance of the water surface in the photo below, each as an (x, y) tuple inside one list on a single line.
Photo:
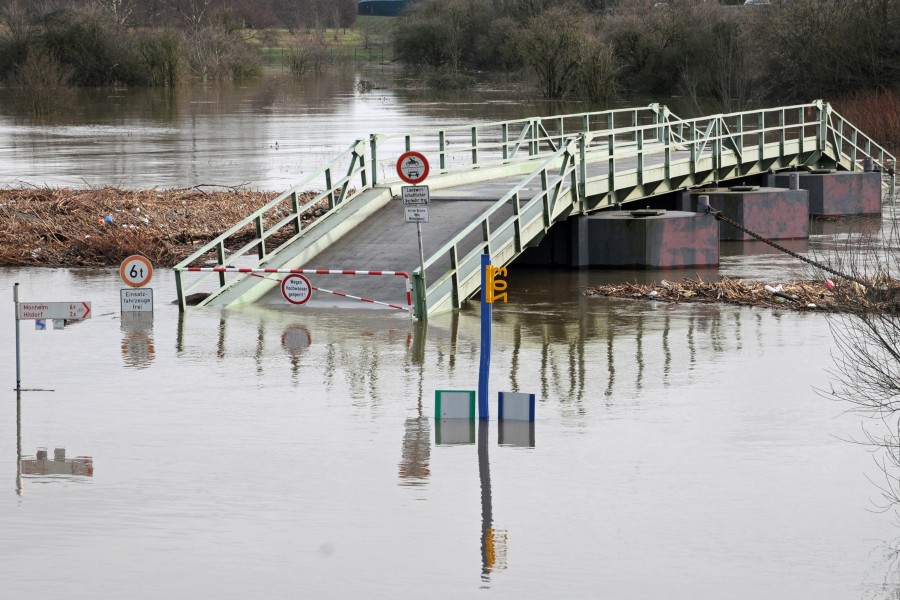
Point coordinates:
[(678, 451)]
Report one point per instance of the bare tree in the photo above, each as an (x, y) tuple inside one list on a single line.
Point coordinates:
[(120, 11), (866, 369), (552, 45)]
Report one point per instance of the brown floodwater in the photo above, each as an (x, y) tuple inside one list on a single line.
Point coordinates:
[(678, 450)]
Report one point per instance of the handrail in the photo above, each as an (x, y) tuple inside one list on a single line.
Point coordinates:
[(338, 192), (495, 143), (859, 144), (507, 240)]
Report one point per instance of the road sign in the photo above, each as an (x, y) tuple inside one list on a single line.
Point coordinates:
[(412, 167), (136, 271), (40, 311), (136, 300), (416, 214), (296, 289), (415, 194)]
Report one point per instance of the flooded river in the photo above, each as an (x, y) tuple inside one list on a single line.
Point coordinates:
[(678, 451)]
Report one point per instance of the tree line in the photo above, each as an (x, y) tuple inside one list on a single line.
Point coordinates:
[(49, 46), (591, 49)]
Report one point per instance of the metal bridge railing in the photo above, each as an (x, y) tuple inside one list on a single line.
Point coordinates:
[(466, 147), (281, 220), (702, 149), (371, 162), (502, 231)]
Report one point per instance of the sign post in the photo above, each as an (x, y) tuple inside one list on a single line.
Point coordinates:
[(40, 313), (18, 361), (412, 167), (136, 272)]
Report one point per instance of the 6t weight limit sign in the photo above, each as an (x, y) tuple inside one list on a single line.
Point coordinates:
[(136, 271)]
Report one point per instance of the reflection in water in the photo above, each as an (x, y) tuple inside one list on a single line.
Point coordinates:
[(488, 556), (493, 541), (295, 340), (448, 432), (20, 488), (416, 453), (60, 465), (414, 466), (621, 348), (138, 350), (220, 348), (515, 433), (40, 465)]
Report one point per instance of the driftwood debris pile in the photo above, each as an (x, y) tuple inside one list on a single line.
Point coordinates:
[(100, 227), (882, 295)]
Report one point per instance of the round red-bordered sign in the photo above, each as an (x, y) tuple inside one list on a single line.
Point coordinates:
[(296, 289), (412, 167), (136, 271)]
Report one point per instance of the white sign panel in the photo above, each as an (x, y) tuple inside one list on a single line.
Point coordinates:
[(136, 300), (296, 289), (415, 194), (416, 214), (72, 311)]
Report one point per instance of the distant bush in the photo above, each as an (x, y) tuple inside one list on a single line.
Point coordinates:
[(216, 54), (45, 84), (162, 58), (448, 79), (97, 52), (309, 53)]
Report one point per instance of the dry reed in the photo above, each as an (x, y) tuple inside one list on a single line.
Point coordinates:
[(881, 295), (65, 227)]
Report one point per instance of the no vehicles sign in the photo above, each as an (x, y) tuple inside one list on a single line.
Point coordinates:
[(412, 167)]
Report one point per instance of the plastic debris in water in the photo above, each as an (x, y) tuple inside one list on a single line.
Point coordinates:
[(828, 284), (653, 294)]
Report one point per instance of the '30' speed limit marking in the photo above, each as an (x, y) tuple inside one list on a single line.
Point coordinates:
[(136, 271)]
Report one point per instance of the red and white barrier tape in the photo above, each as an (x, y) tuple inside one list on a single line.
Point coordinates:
[(256, 273)]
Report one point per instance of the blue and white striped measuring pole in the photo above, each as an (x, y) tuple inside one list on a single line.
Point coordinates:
[(484, 372)]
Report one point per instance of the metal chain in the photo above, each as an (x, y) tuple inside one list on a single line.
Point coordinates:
[(721, 217)]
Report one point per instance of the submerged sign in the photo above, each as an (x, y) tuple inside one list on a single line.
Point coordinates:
[(71, 311), (136, 300)]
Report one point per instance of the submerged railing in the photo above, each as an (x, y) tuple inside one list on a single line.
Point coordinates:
[(564, 151)]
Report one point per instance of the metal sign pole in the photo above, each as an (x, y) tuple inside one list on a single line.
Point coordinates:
[(18, 360), (421, 251), (484, 371)]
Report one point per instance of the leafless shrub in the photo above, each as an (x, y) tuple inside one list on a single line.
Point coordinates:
[(308, 54), (45, 84)]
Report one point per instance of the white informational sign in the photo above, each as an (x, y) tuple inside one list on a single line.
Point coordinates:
[(416, 214), (415, 194), (136, 300), (136, 271), (71, 311), (296, 289)]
